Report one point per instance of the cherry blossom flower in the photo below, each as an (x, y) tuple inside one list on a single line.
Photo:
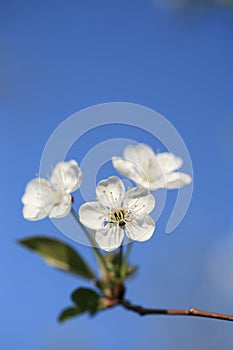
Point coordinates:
[(116, 212), (52, 197), (150, 170)]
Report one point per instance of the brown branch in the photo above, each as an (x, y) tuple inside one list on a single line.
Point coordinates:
[(190, 312)]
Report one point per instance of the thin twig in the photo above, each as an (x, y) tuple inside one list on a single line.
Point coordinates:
[(172, 312)]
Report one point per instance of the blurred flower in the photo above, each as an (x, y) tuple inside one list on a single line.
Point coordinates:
[(52, 197), (151, 170), (117, 211)]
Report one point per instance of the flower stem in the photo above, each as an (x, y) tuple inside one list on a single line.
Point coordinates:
[(120, 259), (87, 233), (124, 261)]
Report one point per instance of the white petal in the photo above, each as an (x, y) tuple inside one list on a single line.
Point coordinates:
[(34, 191), (140, 154), (127, 168), (177, 180), (134, 172), (39, 199), (144, 159), (62, 208), (33, 213), (139, 200), (157, 169), (110, 237), (149, 170), (110, 192), (155, 185), (141, 228), (66, 176), (168, 162), (92, 215)]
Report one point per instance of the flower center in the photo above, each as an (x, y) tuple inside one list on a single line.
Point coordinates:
[(120, 217)]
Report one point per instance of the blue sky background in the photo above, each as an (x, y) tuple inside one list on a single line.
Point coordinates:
[(58, 57)]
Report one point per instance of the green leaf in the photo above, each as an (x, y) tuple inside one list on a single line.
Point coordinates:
[(69, 313), (59, 255), (87, 299)]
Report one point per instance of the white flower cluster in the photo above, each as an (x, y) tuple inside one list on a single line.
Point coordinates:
[(116, 211)]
